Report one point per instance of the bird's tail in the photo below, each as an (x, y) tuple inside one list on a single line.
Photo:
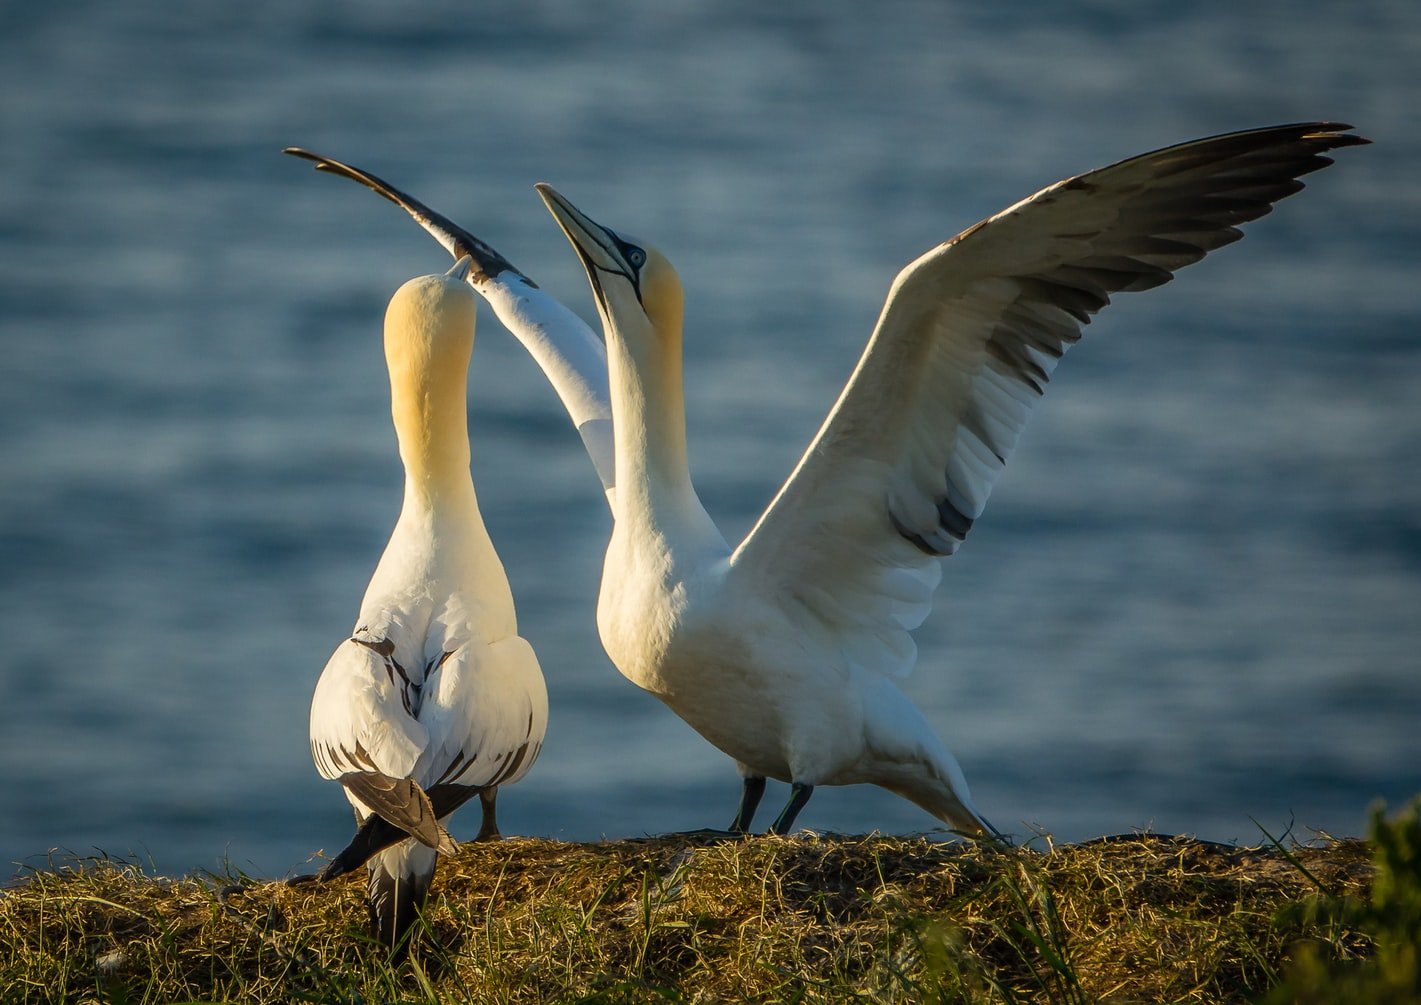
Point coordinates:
[(376, 833), (399, 881), (913, 762), (953, 808), (937, 785)]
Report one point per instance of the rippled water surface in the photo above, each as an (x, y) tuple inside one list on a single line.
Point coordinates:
[(1195, 598)]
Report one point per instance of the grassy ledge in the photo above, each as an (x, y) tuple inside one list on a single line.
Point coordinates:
[(800, 919)]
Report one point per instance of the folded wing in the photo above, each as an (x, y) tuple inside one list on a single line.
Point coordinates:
[(363, 714), (486, 710)]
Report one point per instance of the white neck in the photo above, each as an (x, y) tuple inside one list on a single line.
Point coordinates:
[(654, 490), (439, 550), (571, 357)]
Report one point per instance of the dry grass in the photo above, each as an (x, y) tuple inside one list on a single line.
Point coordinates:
[(810, 919)]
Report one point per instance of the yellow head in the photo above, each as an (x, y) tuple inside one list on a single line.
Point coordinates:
[(429, 338), (636, 287)]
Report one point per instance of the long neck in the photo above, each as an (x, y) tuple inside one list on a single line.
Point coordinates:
[(653, 477), (430, 422), (571, 357)]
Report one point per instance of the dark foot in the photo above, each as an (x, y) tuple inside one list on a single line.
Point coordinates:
[(798, 795), (488, 831), (749, 802)]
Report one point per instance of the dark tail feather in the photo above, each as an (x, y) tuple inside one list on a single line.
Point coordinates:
[(376, 833), (399, 883), (403, 803)]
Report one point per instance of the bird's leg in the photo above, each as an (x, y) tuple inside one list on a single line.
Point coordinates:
[(799, 794), (749, 801), (489, 830)]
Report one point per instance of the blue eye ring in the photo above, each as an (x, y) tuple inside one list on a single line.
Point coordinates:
[(634, 256)]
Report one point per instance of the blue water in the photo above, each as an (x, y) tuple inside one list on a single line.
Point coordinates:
[(1195, 597)]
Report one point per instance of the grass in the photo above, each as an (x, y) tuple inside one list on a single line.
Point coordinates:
[(805, 919)]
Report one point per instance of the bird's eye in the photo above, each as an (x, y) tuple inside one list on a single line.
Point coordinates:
[(636, 257)]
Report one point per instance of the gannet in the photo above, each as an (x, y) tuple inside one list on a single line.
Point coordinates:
[(435, 697), (570, 355), (784, 652)]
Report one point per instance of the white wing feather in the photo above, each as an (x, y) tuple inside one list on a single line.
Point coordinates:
[(965, 346), (486, 710), (359, 720), (572, 358)]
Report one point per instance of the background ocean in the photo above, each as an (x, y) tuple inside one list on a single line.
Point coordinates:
[(1195, 599)]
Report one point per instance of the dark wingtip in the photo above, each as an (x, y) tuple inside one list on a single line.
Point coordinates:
[(1350, 140), (377, 185), (402, 802), (1339, 131), (374, 836), (488, 263), (1337, 134)]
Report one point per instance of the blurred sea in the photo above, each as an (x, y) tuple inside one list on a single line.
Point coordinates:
[(1195, 599)]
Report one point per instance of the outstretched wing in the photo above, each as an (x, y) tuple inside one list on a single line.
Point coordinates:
[(572, 358), (964, 348)]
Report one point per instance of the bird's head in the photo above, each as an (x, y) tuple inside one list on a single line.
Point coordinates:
[(636, 287), (429, 338), (429, 325)]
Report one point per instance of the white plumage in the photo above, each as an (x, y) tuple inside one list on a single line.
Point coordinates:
[(435, 686), (783, 651)]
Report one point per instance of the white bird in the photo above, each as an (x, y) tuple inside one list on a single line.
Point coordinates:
[(783, 652), (1055, 297), (435, 697)]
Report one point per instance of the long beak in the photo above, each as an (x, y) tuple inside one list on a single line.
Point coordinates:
[(597, 246), (486, 262), (460, 271)]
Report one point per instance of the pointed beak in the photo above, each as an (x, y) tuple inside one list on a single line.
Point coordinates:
[(462, 268), (598, 248)]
